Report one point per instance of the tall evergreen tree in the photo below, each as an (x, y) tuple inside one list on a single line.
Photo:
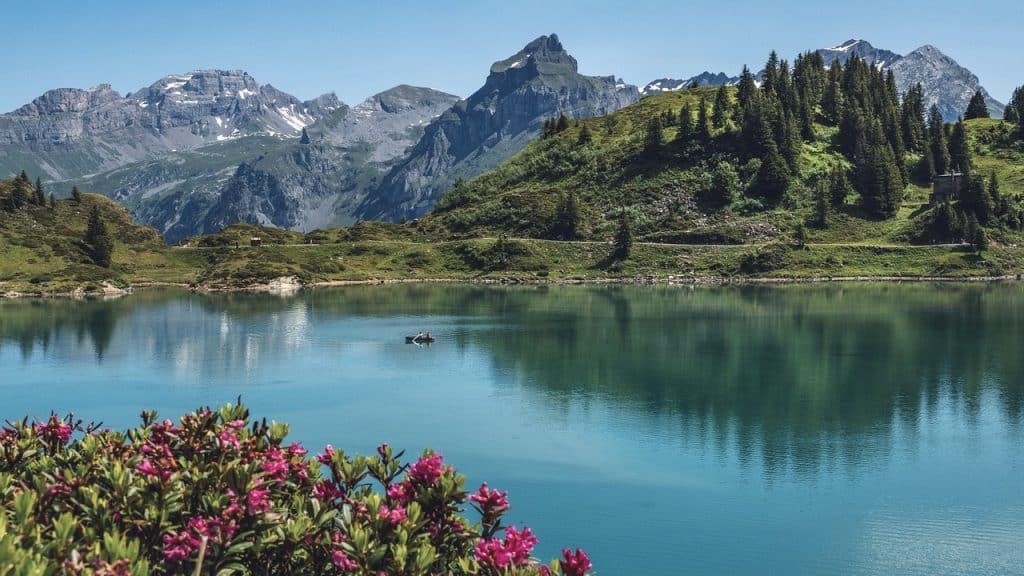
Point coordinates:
[(937, 142), (563, 123), (975, 199), (567, 218), (40, 198), (912, 119), (97, 238), (839, 186), (703, 122), (773, 177), (1017, 106), (76, 195), (304, 139), (959, 151), (624, 236), (652, 139), (722, 110), (585, 136), (977, 108), (746, 89), (685, 134), (821, 204)]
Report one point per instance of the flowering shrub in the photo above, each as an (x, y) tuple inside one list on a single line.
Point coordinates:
[(217, 494)]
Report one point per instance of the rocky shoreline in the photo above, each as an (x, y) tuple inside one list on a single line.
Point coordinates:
[(288, 285)]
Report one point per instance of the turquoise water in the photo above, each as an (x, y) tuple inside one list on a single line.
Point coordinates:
[(831, 429)]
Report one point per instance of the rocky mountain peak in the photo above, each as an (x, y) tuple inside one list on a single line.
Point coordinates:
[(545, 55), (946, 83), (861, 49), (69, 100)]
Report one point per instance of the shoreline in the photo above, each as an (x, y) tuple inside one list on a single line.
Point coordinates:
[(289, 285)]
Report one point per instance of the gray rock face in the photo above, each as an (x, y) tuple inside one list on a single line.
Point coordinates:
[(316, 185), (67, 133), (540, 81), (946, 83), (861, 49), (702, 79)]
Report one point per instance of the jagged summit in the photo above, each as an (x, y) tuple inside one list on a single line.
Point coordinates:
[(861, 49), (545, 55)]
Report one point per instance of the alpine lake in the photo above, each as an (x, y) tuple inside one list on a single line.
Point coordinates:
[(846, 429)]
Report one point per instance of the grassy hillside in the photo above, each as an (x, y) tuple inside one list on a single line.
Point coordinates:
[(665, 192), (41, 248)]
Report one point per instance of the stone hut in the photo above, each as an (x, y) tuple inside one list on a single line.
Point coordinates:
[(255, 241), (946, 187)]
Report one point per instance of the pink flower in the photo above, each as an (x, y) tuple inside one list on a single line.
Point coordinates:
[(257, 500), (402, 492), (326, 491), (178, 547), (275, 467), (515, 550), (427, 469), (295, 450), (326, 456), (236, 424), (146, 467), (490, 501), (214, 529), (228, 439), (342, 561), (395, 516), (575, 564)]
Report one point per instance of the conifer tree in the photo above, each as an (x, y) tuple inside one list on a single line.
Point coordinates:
[(76, 195), (652, 139), (745, 89), (977, 108), (975, 199), (821, 204), (563, 123), (1015, 109), (305, 137), (40, 199), (839, 186), (20, 194), (937, 141), (703, 122), (1010, 115), (993, 189), (97, 238), (624, 237), (567, 218), (722, 110), (585, 136), (912, 119), (773, 177), (53, 202), (685, 134), (959, 151)]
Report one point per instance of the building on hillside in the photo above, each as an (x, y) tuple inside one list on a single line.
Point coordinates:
[(946, 188), (255, 241)]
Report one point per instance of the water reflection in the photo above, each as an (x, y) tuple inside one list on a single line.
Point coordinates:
[(793, 378)]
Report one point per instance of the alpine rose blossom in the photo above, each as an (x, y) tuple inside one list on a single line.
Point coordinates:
[(326, 456), (515, 550), (257, 501), (490, 501), (427, 469), (342, 562), (575, 564)]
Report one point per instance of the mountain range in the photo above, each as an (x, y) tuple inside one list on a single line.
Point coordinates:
[(946, 83), (194, 152)]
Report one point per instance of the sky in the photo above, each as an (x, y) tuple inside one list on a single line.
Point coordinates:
[(356, 48)]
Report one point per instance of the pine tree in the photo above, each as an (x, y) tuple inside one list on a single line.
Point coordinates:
[(977, 107), (40, 198), (839, 186), (305, 137), (773, 177), (585, 136), (101, 246), (76, 195), (821, 204), (725, 184), (567, 218), (1017, 106), (937, 141), (722, 110), (652, 139), (980, 240), (624, 237), (993, 189), (1010, 115), (832, 103), (53, 202), (800, 235), (563, 123), (703, 122), (745, 89), (20, 195), (959, 151), (685, 134), (912, 119), (975, 199)]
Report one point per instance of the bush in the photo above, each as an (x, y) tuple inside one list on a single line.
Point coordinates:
[(218, 494)]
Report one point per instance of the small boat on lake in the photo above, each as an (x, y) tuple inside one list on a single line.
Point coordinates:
[(421, 338)]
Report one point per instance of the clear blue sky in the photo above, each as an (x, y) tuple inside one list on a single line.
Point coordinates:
[(359, 48)]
